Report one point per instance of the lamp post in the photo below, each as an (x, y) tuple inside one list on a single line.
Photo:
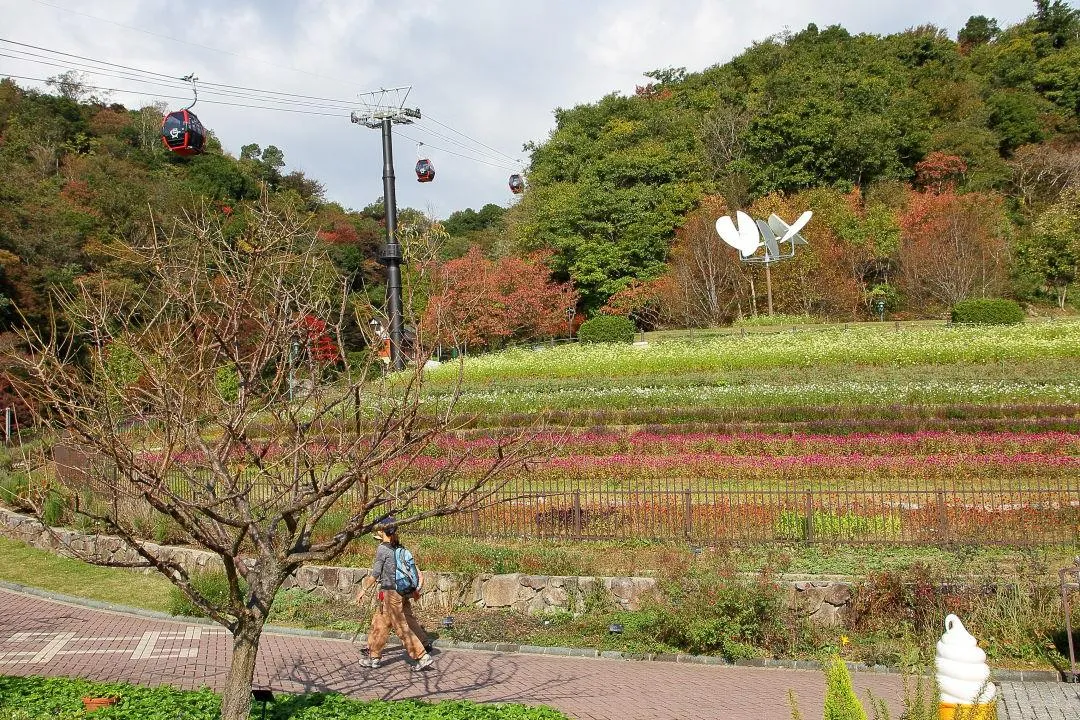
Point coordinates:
[(570, 313), (879, 308), (294, 352)]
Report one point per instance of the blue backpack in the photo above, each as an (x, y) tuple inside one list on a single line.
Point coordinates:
[(406, 576)]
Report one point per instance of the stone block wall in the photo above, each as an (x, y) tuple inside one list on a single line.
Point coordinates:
[(824, 601)]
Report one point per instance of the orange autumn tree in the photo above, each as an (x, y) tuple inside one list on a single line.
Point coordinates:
[(480, 303), (953, 247)]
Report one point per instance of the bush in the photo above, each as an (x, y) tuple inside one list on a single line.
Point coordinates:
[(726, 615), (212, 585), (606, 329), (841, 703), (227, 383), (988, 312)]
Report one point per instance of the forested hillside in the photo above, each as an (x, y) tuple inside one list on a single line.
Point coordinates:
[(937, 168), (860, 128), (77, 175)]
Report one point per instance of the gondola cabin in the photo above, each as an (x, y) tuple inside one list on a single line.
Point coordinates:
[(425, 171), (517, 184), (182, 133)]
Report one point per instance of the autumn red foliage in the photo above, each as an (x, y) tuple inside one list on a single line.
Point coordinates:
[(323, 349), (940, 172), (477, 302), (953, 247)]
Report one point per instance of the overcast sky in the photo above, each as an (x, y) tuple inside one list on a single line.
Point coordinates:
[(491, 69)]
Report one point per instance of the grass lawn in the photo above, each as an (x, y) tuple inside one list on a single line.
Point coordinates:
[(38, 568)]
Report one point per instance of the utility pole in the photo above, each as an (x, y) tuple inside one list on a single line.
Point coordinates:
[(383, 117)]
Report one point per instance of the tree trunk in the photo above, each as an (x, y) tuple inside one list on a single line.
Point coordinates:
[(236, 698)]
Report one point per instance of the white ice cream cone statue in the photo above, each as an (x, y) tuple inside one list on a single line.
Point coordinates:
[(963, 676)]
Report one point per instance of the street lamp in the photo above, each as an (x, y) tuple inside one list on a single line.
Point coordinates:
[(570, 313)]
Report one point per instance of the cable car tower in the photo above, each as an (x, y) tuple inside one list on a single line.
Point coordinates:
[(381, 110)]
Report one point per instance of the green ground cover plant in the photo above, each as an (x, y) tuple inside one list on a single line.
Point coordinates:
[(776, 319), (37, 568), (38, 698)]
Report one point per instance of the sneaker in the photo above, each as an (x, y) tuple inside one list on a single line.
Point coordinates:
[(425, 662), (369, 662)]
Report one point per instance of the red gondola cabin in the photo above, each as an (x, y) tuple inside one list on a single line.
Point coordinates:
[(425, 171), (182, 133), (517, 184)]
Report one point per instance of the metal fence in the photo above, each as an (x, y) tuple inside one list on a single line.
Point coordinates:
[(1010, 511), (762, 515)]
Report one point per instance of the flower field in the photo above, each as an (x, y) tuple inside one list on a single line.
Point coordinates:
[(927, 434), (819, 347)]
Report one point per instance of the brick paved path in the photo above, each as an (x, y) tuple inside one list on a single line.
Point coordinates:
[(44, 637)]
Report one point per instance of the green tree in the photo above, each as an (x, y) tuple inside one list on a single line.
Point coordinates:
[(978, 30)]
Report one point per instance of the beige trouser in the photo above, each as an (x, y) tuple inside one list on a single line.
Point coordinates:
[(396, 611)]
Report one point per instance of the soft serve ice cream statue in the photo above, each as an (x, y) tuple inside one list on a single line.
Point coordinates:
[(962, 673)]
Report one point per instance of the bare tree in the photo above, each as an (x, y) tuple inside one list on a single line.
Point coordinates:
[(1042, 172), (707, 272), (243, 447), (953, 247)]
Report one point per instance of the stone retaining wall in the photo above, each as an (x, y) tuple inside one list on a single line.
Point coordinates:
[(824, 601)]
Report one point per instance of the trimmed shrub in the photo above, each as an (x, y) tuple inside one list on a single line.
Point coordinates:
[(988, 311), (841, 703), (607, 329)]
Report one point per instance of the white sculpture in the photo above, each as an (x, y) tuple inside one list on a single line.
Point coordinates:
[(749, 235), (962, 673)]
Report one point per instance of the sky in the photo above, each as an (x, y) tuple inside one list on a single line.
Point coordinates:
[(485, 74)]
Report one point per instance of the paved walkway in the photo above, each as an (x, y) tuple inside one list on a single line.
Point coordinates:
[(45, 637)]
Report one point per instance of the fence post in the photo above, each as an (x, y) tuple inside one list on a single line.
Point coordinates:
[(809, 521), (8, 412), (942, 518), (577, 514), (475, 523), (688, 510)]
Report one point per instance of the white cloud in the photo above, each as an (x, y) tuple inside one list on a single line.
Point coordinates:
[(494, 70)]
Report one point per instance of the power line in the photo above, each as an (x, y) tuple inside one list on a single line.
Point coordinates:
[(174, 83), (303, 103), (489, 156), (451, 152), (481, 144), (187, 42), (350, 103), (182, 97)]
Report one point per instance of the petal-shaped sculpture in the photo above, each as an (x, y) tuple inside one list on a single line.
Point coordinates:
[(725, 228), (796, 226), (744, 238), (748, 233), (779, 227)]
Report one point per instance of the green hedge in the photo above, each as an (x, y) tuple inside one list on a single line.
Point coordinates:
[(988, 312), (606, 329), (36, 698)]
